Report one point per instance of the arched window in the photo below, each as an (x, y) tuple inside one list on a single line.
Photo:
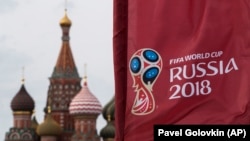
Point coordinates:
[(26, 136), (14, 136)]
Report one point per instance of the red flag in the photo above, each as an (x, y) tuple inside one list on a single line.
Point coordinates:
[(180, 62)]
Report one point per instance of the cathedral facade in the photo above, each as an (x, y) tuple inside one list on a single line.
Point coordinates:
[(71, 110)]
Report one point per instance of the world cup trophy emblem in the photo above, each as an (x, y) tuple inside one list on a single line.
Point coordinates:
[(145, 66)]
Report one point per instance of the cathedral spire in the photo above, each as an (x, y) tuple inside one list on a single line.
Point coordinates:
[(65, 66), (65, 4), (23, 79), (64, 83), (85, 75)]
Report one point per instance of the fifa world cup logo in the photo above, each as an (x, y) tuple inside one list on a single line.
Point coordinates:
[(145, 67)]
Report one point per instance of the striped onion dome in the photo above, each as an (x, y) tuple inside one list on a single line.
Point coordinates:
[(85, 103)]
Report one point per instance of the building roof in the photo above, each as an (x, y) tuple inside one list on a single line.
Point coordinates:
[(65, 21), (22, 101), (109, 109), (49, 127), (65, 65), (108, 132), (85, 103)]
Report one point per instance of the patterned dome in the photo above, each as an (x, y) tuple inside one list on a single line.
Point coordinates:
[(85, 103), (22, 101)]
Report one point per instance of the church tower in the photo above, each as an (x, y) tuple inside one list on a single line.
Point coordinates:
[(108, 132), (64, 84), (85, 108), (22, 106)]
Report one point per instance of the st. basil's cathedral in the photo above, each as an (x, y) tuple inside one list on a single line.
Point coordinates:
[(71, 109)]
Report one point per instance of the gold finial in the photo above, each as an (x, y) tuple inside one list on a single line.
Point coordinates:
[(22, 80), (65, 21), (85, 74), (33, 112), (65, 5), (49, 108), (109, 118)]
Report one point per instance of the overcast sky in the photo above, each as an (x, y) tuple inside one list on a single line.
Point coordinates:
[(30, 36)]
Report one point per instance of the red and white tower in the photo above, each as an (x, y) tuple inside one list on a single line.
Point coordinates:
[(64, 84), (85, 108)]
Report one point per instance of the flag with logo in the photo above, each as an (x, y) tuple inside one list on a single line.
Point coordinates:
[(180, 62)]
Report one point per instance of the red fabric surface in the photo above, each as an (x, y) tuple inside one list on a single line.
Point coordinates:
[(203, 64)]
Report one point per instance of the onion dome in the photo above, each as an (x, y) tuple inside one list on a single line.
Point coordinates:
[(108, 132), (22, 101), (65, 21), (109, 109), (49, 127), (85, 102)]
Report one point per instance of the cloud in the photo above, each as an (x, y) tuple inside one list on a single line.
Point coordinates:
[(7, 5), (11, 61)]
